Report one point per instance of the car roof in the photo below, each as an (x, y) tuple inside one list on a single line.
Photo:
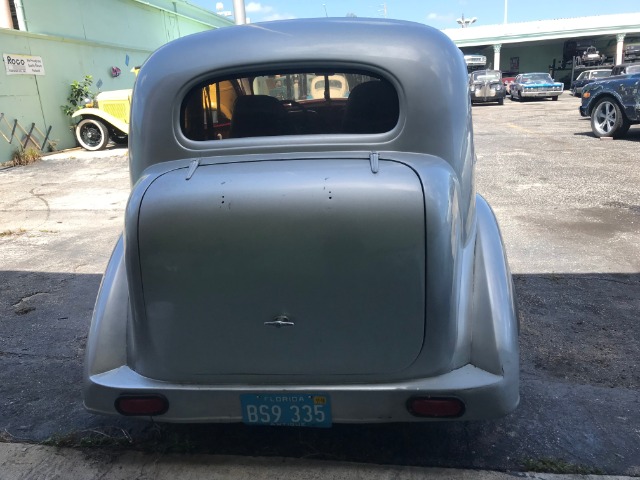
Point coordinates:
[(404, 53)]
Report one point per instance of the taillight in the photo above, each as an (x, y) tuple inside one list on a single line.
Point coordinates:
[(142, 405), (435, 407)]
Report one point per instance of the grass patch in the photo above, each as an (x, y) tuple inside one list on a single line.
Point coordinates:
[(158, 440), (24, 156), (117, 438), (555, 465), (10, 233)]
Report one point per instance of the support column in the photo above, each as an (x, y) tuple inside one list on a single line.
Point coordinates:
[(22, 22), (5, 15), (239, 12), (496, 56), (619, 47)]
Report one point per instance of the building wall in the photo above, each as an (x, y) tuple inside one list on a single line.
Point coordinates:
[(85, 37)]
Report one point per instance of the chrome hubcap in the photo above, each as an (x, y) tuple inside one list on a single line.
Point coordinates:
[(605, 117)]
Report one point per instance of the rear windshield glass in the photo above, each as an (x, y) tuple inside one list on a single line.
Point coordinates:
[(289, 103), (537, 78), (486, 76)]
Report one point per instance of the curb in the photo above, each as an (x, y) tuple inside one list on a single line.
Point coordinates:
[(26, 461)]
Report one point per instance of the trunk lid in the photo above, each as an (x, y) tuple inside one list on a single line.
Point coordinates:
[(313, 267)]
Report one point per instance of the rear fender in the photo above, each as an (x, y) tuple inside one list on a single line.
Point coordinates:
[(494, 336), (107, 340)]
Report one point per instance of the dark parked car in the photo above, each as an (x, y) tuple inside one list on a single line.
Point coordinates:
[(625, 69), (535, 85), (631, 50), (486, 86), (587, 77), (612, 105)]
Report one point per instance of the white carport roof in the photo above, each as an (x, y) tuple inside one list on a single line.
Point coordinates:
[(545, 29)]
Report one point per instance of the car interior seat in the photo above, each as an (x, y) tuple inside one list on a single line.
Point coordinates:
[(258, 116), (372, 107)]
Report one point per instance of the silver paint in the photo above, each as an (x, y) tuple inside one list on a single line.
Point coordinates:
[(377, 245)]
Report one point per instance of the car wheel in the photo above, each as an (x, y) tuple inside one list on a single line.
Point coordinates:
[(92, 134), (555, 99), (607, 119), (501, 101)]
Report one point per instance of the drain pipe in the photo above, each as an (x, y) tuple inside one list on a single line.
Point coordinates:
[(5, 15), (22, 23), (239, 12)]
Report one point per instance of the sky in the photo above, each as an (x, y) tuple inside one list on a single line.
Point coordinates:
[(437, 13)]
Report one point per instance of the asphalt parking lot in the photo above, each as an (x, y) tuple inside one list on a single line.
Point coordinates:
[(568, 205)]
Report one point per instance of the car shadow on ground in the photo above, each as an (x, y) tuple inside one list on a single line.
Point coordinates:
[(633, 135), (579, 391)]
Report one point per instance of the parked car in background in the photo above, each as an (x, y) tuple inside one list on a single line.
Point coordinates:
[(475, 62), (631, 50), (625, 69), (106, 118), (305, 262), (612, 105), (507, 81), (575, 48), (486, 86), (333, 86), (535, 85), (591, 56), (586, 77)]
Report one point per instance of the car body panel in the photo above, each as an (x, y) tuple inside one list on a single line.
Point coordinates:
[(363, 266), (233, 204)]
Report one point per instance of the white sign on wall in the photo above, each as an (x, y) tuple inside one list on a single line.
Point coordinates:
[(22, 64)]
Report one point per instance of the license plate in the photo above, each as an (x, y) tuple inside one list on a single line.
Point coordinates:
[(287, 409)]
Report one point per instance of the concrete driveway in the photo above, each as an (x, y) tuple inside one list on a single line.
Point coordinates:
[(570, 216)]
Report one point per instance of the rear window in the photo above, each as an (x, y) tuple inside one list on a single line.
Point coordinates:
[(289, 103)]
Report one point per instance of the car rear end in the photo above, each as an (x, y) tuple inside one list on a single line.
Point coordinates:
[(302, 277)]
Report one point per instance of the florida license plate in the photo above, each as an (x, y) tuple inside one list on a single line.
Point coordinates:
[(287, 409)]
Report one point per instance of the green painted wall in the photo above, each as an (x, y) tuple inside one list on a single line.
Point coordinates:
[(85, 37)]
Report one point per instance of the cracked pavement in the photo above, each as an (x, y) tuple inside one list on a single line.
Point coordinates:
[(568, 208)]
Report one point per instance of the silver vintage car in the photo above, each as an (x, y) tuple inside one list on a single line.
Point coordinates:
[(486, 86), (299, 259)]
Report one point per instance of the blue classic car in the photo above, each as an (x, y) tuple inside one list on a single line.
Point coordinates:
[(535, 85), (298, 259), (613, 105)]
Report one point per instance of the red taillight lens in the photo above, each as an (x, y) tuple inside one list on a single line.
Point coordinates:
[(144, 405), (435, 407)]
